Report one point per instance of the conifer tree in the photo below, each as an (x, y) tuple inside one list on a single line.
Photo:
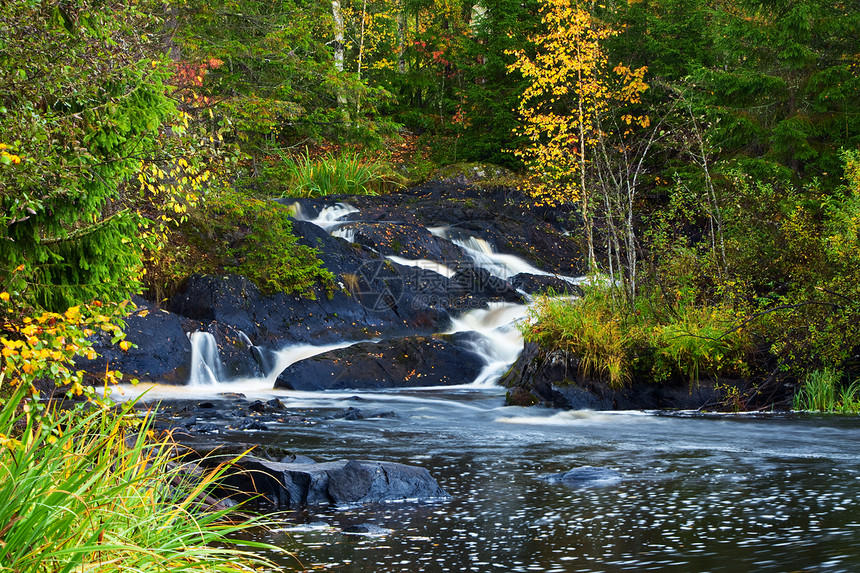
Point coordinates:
[(81, 103)]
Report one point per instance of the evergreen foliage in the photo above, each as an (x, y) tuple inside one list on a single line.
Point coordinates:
[(81, 102)]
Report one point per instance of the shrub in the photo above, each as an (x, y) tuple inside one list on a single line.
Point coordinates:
[(612, 341), (699, 340), (232, 232), (588, 327)]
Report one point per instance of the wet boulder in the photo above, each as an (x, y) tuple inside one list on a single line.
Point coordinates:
[(343, 482), (407, 240), (538, 284), (479, 283), (584, 476), (160, 348), (441, 360)]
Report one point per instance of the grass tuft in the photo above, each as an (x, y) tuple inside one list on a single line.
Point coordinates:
[(81, 490), (348, 174)]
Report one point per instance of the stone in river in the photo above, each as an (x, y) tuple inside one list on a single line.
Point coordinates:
[(584, 476), (336, 483)]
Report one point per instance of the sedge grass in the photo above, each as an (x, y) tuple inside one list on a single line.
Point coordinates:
[(820, 392), (80, 491), (348, 174)]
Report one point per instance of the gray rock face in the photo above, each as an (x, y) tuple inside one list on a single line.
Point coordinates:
[(343, 482)]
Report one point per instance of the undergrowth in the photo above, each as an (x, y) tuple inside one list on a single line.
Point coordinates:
[(90, 488), (235, 233), (347, 173), (614, 342)]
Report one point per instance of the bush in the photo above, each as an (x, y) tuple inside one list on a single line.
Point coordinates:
[(589, 328), (614, 342), (236, 233)]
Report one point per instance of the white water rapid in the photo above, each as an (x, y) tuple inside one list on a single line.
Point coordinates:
[(497, 264), (328, 219), (500, 341)]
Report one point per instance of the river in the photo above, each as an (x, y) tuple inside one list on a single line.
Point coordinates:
[(763, 492), (698, 492)]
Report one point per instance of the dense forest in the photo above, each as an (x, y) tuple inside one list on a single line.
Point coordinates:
[(709, 152)]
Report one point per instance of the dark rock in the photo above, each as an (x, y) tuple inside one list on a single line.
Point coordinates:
[(188, 422), (207, 428), (161, 351), (397, 363), (539, 284), (338, 483), (584, 476), (554, 379), (384, 415), (349, 414), (480, 283), (275, 405), (296, 459), (257, 406), (366, 529), (407, 240), (251, 424)]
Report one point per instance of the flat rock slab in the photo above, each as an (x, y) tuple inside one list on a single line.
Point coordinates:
[(331, 483), (441, 360)]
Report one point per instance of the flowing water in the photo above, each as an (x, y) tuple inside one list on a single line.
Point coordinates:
[(699, 492)]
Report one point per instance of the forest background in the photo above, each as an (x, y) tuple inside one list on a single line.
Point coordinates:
[(708, 149)]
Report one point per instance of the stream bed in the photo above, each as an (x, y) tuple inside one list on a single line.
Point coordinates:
[(699, 492)]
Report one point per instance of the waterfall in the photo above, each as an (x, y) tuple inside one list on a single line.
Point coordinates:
[(206, 368), (329, 218), (423, 264), (501, 265), (500, 341)]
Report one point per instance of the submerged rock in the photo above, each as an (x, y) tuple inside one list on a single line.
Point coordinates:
[(367, 529), (584, 476), (337, 483)]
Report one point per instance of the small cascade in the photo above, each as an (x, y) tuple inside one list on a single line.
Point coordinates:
[(424, 264), (500, 341), (497, 264), (206, 368), (345, 233), (331, 217), (288, 356)]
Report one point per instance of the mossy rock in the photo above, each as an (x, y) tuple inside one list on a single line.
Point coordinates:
[(481, 174)]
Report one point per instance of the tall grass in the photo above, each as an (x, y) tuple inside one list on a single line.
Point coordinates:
[(348, 174), (612, 340), (80, 491), (587, 327), (820, 392)]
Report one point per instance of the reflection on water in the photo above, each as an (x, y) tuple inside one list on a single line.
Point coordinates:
[(699, 493)]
